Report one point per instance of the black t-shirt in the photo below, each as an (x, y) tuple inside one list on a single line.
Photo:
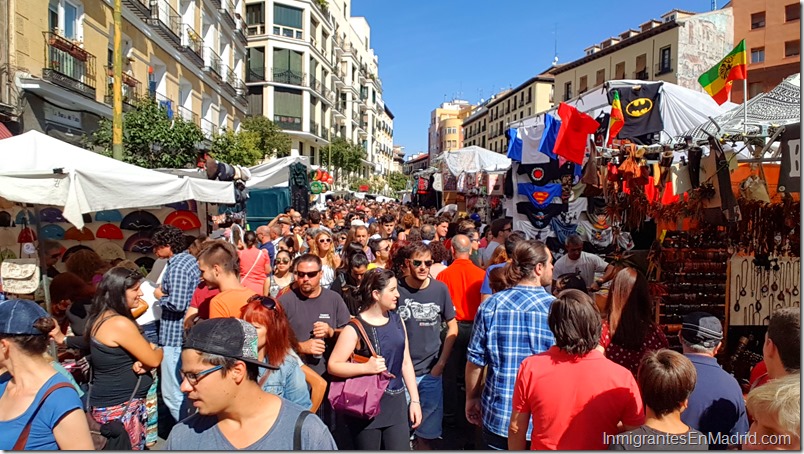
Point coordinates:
[(423, 311), (303, 312), (648, 439)]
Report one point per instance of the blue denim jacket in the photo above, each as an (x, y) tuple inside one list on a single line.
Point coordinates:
[(288, 382)]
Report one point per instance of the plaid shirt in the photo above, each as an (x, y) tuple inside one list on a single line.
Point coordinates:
[(509, 327), (181, 278)]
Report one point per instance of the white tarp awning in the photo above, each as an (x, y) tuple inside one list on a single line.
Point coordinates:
[(274, 173), (474, 159), (40, 169)]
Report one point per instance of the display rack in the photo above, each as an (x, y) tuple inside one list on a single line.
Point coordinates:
[(693, 273)]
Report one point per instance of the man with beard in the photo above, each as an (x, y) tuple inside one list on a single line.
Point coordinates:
[(424, 304), (362, 237)]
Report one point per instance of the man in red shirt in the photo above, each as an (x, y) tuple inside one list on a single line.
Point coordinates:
[(463, 279), (575, 395)]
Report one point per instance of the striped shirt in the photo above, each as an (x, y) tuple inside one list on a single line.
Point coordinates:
[(181, 278), (509, 327)]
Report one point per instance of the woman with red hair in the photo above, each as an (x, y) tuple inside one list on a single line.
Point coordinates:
[(276, 345)]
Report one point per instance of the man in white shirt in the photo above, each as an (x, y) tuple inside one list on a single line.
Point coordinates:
[(584, 263)]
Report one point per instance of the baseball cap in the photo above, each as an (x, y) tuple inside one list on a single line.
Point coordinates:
[(358, 222), (17, 317), (701, 328), (475, 217), (229, 337)]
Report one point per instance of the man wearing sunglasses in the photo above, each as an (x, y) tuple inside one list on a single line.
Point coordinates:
[(219, 373), (424, 304)]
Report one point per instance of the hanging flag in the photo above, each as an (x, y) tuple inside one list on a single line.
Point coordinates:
[(717, 81), (551, 127), (641, 109), (616, 119), (574, 133)]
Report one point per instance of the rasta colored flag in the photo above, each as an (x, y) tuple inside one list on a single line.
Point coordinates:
[(616, 120), (717, 81)]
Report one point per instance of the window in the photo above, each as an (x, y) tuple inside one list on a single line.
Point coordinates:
[(792, 12), (255, 18), (567, 91), (758, 55), (255, 100), (288, 108), (619, 70), (66, 16), (665, 61), (600, 77), (758, 20), (287, 66), (754, 88), (641, 67), (256, 64), (288, 21), (582, 85), (792, 48), (53, 16)]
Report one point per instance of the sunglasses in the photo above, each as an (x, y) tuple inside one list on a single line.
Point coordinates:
[(325, 240), (194, 378), (311, 274), (282, 261), (418, 263), (266, 301)]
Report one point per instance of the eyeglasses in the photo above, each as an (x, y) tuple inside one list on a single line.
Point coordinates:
[(282, 261), (325, 240), (508, 229), (266, 301), (418, 263), (311, 274), (193, 378)]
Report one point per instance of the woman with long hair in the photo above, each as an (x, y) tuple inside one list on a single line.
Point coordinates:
[(629, 330), (121, 358), (281, 276), (72, 298), (255, 264), (386, 332), (440, 255), (87, 265), (289, 243), (397, 256), (499, 255), (277, 346), (322, 247), (28, 375)]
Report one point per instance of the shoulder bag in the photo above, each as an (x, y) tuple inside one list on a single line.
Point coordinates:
[(26, 431), (359, 396), (101, 433)]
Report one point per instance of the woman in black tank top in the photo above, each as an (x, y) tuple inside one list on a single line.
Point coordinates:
[(386, 332), (121, 358)]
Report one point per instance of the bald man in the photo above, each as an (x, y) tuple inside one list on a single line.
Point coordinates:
[(264, 237), (463, 280)]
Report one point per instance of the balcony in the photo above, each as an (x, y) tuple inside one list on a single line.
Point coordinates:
[(641, 75), (288, 76), (664, 67), (165, 103), (227, 11), (141, 8), (131, 88), (188, 115), (228, 80), (209, 128), (212, 63), (316, 129), (240, 86), (193, 45), (240, 32), (288, 123), (68, 65), (166, 21), (255, 29), (356, 118), (255, 74)]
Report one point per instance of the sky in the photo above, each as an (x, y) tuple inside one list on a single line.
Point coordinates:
[(434, 51)]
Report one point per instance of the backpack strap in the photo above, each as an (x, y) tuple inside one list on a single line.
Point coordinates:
[(23, 439), (297, 431)]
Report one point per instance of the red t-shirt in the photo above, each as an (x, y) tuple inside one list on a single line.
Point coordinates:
[(201, 298), (463, 279), (630, 359), (574, 401)]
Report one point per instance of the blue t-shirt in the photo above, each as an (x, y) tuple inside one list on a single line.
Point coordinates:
[(58, 404), (485, 289)]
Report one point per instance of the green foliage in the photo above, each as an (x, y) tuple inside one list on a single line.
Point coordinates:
[(267, 136), (355, 185), (346, 156), (237, 148), (151, 139), (397, 181)]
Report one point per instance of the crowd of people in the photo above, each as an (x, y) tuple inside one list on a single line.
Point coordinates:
[(469, 328)]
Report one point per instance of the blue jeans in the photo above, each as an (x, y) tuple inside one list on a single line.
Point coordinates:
[(170, 382), (431, 396)]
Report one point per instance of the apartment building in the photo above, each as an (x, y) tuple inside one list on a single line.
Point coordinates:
[(188, 55), (419, 161), (508, 107), (772, 34), (384, 141), (399, 158), (445, 132), (677, 49), (312, 71), (475, 125)]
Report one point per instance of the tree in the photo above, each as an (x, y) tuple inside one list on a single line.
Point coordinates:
[(346, 156), (355, 185), (151, 139), (397, 181), (237, 148), (269, 139)]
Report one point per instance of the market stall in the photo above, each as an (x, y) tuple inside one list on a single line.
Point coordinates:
[(471, 178)]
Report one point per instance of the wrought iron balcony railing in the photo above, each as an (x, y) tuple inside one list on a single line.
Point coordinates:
[(255, 74), (162, 14), (212, 61), (68, 65), (288, 76)]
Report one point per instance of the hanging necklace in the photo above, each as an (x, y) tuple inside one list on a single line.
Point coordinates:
[(796, 276)]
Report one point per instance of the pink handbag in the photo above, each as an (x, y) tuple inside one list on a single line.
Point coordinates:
[(359, 396)]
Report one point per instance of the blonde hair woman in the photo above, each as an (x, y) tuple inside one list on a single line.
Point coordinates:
[(324, 248)]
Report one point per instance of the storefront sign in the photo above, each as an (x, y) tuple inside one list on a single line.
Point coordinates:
[(62, 116), (790, 171)]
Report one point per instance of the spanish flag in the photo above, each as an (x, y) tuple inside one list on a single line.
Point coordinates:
[(717, 81), (616, 119)]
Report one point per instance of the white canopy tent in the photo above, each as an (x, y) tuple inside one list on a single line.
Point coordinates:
[(474, 159), (40, 169), (274, 173)]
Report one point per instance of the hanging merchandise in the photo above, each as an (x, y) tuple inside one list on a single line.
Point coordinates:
[(753, 188), (540, 174), (680, 177), (533, 233), (731, 211), (574, 133), (641, 109), (541, 196), (299, 187), (602, 128), (523, 144), (790, 172), (450, 181), (496, 183), (540, 216), (483, 183), (423, 186), (552, 125)]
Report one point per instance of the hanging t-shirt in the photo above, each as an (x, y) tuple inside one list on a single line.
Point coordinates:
[(574, 210), (598, 237), (532, 232), (574, 134), (562, 229), (551, 127), (540, 196), (540, 174), (531, 139), (540, 216)]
